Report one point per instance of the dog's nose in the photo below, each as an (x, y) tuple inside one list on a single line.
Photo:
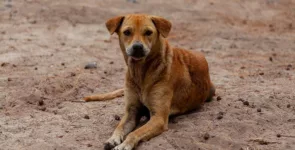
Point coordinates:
[(137, 47), (137, 50)]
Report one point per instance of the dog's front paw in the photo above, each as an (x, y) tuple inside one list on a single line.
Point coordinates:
[(123, 146), (112, 142)]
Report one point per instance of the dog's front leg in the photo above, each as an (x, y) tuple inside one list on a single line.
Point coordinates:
[(157, 124), (129, 120)]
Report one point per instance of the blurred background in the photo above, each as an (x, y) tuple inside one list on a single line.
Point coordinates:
[(47, 46)]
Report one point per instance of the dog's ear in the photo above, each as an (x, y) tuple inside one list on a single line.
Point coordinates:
[(113, 24), (162, 25)]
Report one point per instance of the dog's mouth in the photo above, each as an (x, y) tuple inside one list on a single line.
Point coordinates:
[(136, 58)]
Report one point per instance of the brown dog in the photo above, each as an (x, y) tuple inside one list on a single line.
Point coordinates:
[(165, 80)]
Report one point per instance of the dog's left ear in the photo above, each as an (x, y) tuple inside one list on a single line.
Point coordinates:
[(162, 25), (114, 24)]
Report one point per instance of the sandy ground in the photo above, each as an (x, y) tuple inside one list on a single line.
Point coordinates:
[(44, 46)]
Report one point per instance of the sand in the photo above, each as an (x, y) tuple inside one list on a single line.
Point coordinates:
[(44, 46)]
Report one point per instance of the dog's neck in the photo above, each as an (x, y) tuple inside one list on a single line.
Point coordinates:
[(155, 62)]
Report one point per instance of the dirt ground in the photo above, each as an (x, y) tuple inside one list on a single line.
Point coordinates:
[(45, 44)]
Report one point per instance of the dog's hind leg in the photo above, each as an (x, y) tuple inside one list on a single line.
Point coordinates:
[(105, 96)]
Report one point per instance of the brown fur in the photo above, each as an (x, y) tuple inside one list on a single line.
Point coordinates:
[(168, 81)]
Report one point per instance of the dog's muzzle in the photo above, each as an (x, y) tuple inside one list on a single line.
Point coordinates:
[(137, 51)]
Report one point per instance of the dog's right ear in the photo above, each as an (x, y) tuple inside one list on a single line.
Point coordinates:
[(113, 24)]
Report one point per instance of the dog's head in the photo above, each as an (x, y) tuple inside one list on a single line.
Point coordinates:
[(138, 33)]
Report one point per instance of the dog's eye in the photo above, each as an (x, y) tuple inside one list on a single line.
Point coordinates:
[(148, 33), (127, 32)]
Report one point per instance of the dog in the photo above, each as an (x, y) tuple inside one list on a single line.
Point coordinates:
[(160, 80)]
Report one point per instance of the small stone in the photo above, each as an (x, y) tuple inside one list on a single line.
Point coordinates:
[(117, 117), (9, 79), (33, 22), (62, 64), (261, 73), (86, 117), (36, 68), (54, 112), (279, 135), (206, 136), (63, 44), (91, 65), (218, 98), (40, 102), (270, 58), (290, 66), (287, 68), (288, 106), (4, 64), (111, 62), (3, 32), (246, 103), (89, 145), (219, 117), (73, 74), (243, 67), (258, 109)]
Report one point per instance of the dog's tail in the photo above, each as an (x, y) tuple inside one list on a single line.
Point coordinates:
[(211, 93), (105, 96)]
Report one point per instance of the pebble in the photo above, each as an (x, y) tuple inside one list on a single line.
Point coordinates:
[(73, 74), (91, 65), (258, 109), (220, 115), (117, 117), (40, 102), (86, 117), (218, 98), (246, 103), (206, 136), (33, 22)]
